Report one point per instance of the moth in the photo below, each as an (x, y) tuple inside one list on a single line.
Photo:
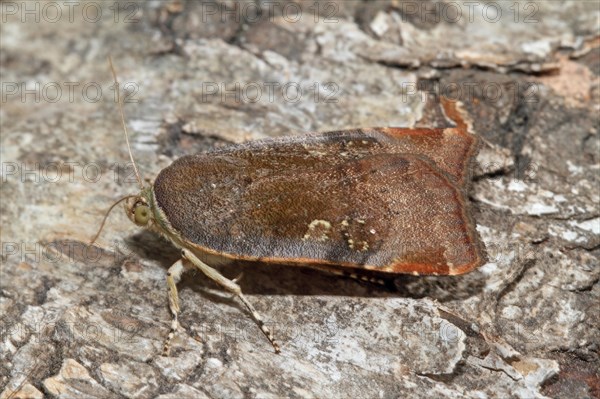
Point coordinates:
[(366, 203)]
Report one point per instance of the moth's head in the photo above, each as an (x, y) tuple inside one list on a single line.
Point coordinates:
[(138, 211)]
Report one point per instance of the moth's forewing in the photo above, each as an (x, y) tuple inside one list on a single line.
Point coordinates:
[(356, 199)]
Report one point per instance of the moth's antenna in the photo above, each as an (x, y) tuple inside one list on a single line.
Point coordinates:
[(106, 215), (135, 169)]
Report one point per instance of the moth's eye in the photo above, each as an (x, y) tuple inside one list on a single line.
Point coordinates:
[(142, 215)]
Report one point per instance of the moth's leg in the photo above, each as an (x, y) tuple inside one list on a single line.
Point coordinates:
[(238, 278), (232, 287), (173, 276)]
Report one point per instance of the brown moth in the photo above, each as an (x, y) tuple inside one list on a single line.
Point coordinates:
[(367, 203)]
